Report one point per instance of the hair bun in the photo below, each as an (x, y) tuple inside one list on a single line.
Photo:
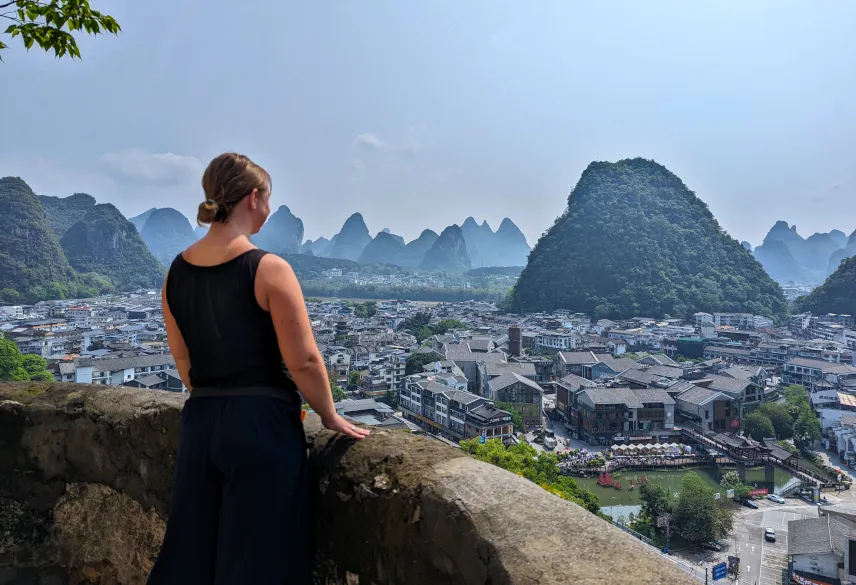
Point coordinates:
[(207, 212)]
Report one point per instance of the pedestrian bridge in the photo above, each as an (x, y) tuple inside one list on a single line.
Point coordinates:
[(748, 453)]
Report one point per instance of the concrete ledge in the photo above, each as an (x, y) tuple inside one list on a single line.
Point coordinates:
[(85, 482)]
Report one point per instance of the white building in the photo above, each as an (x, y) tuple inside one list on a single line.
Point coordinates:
[(557, 340), (12, 312), (702, 318)]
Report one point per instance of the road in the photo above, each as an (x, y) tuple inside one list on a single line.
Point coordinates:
[(763, 562)]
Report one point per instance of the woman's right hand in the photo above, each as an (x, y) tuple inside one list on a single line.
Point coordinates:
[(340, 425)]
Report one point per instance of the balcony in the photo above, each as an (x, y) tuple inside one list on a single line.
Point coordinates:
[(85, 489)]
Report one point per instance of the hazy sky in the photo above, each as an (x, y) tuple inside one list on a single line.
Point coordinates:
[(419, 113)]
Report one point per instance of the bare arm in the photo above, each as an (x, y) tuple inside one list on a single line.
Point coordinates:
[(279, 293), (177, 347)]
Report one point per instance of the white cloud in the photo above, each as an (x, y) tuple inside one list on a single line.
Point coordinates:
[(371, 140), (357, 165), (149, 167)]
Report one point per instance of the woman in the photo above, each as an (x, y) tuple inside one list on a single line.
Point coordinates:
[(235, 318)]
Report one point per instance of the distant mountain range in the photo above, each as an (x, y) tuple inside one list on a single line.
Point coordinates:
[(470, 245), (788, 257), (481, 246)]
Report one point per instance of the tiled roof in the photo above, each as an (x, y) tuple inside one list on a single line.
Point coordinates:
[(510, 378), (613, 396), (809, 536), (699, 396)]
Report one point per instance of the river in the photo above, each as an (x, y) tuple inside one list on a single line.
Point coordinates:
[(622, 502)]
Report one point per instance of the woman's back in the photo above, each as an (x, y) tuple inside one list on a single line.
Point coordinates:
[(230, 338)]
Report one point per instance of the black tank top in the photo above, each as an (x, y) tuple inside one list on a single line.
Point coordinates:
[(231, 340)]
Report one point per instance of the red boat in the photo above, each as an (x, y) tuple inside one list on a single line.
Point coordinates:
[(605, 480)]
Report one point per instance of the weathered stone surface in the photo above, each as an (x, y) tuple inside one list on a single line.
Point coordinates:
[(84, 491)]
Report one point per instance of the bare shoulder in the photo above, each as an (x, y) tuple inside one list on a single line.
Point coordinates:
[(275, 270)]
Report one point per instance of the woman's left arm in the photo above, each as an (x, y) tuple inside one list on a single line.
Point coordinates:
[(177, 347)]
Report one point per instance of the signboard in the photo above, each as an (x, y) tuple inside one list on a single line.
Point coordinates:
[(720, 571), (735, 424), (618, 438), (758, 492), (806, 581), (717, 495), (482, 439), (729, 493)]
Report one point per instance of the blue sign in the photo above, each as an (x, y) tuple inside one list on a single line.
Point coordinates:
[(482, 439), (720, 571)]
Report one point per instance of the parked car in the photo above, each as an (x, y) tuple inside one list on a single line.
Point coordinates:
[(714, 546), (748, 504), (769, 535), (776, 498)]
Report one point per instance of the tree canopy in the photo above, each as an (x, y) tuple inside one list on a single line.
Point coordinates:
[(836, 295), (758, 426), (697, 515), (53, 25), (542, 469), (15, 367), (634, 240)]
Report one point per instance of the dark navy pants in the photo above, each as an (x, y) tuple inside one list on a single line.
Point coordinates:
[(239, 507)]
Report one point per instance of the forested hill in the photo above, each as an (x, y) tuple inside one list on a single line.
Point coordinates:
[(634, 240), (836, 295), (32, 264), (103, 241)]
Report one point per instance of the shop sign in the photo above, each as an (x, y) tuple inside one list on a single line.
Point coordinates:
[(758, 492), (806, 581)]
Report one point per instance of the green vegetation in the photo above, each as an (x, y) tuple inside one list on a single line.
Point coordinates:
[(31, 260), (105, 242), (780, 417), (731, 481), (364, 310), (836, 295), (635, 240), (794, 419), (34, 266), (418, 325), (64, 212), (758, 426), (52, 25), (353, 379), (516, 419), (696, 514), (335, 389), (541, 469), (15, 367), (806, 427), (416, 361)]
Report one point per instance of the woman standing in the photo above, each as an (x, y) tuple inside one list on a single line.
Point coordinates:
[(238, 329)]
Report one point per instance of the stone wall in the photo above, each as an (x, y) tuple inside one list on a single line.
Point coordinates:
[(84, 488)]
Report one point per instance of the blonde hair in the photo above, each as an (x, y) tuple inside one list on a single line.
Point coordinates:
[(228, 179)]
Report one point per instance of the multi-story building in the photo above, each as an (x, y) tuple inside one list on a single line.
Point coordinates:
[(702, 318), (526, 396), (338, 360), (738, 320), (817, 374), (78, 313), (565, 363), (557, 340), (450, 413), (120, 370), (608, 415), (12, 312)]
